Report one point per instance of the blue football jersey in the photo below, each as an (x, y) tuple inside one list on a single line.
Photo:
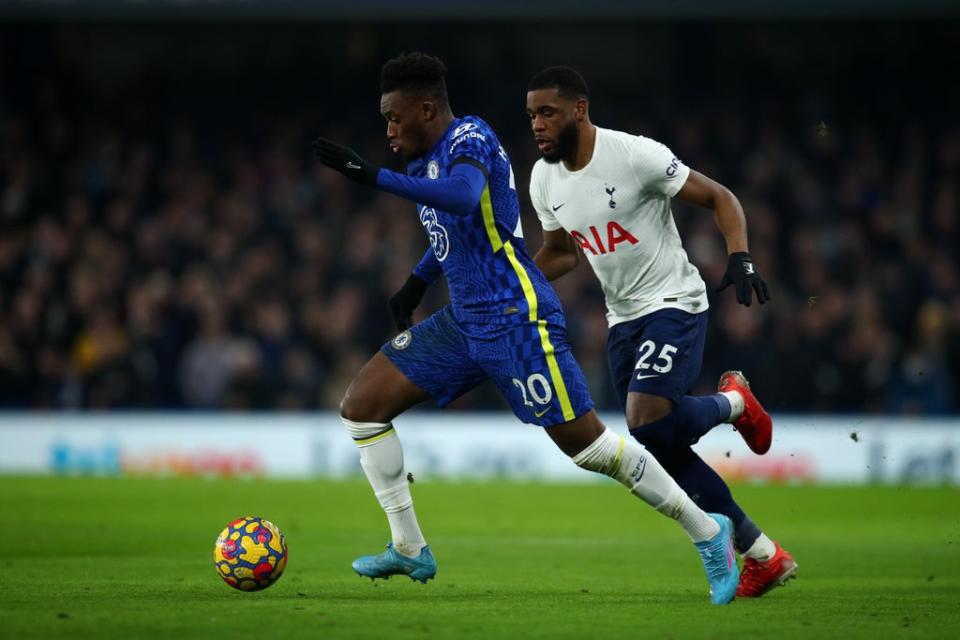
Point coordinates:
[(491, 278)]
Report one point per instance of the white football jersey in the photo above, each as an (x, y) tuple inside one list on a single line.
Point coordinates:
[(617, 208)]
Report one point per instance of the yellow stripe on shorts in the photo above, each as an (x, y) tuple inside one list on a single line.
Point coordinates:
[(489, 222)]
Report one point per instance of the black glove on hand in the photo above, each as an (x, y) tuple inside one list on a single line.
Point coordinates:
[(406, 300), (346, 161), (741, 272)]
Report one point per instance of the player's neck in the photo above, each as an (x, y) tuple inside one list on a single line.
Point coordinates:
[(440, 124), (585, 143)]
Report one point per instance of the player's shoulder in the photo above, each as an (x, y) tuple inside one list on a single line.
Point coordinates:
[(538, 168), (471, 124), (542, 173), (471, 134), (623, 141)]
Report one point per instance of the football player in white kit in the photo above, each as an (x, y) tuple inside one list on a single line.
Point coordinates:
[(607, 194)]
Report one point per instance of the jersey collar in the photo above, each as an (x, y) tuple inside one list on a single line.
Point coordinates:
[(417, 165)]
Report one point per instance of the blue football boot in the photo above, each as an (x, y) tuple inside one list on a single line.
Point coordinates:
[(720, 562), (392, 562)]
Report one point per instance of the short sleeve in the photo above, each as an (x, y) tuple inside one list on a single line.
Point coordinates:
[(657, 168), (473, 143), (547, 220)]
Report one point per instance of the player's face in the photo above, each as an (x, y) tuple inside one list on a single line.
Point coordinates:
[(406, 118), (554, 121)]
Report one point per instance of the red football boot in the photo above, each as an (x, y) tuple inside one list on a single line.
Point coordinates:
[(754, 424), (756, 578)]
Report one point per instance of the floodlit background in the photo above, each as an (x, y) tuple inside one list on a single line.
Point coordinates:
[(169, 246)]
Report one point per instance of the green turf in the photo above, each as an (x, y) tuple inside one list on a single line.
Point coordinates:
[(110, 558)]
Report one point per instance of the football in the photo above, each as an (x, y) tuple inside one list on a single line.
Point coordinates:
[(250, 554)]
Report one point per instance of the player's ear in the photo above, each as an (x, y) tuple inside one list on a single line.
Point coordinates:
[(580, 109), (428, 110)]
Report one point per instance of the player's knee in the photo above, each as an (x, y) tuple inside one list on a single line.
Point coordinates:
[(653, 427), (652, 436), (644, 409), (361, 403), (575, 436), (348, 410), (355, 408)]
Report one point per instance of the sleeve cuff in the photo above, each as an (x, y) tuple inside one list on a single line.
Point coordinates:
[(550, 225), (673, 187), (473, 162)]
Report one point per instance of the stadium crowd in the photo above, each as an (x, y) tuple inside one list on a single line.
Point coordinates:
[(165, 261)]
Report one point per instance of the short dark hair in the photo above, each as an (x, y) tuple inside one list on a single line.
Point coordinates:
[(568, 82), (415, 72)]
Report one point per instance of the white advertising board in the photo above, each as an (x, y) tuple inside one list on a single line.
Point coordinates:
[(453, 445)]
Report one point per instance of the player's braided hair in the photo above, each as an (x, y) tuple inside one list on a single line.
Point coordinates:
[(415, 72), (568, 82)]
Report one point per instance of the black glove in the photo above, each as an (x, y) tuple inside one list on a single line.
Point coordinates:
[(406, 300), (346, 161), (741, 272)]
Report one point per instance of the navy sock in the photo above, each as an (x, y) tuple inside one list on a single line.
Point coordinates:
[(669, 440), (706, 488), (690, 419)]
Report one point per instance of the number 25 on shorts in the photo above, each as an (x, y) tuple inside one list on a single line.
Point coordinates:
[(662, 363)]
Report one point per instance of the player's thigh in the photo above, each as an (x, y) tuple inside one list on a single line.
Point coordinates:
[(434, 356), (380, 393), (668, 353), (622, 341), (534, 369)]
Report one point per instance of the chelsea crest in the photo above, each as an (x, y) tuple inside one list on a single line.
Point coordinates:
[(402, 341)]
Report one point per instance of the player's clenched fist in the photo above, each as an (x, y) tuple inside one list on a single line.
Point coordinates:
[(741, 273), (405, 301), (346, 161)]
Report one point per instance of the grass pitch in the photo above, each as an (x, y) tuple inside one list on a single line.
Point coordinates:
[(121, 558)]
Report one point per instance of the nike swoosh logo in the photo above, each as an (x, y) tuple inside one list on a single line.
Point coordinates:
[(643, 377), (350, 165), (540, 414), (559, 205)]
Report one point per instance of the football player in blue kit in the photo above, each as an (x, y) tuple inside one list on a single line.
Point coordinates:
[(504, 323)]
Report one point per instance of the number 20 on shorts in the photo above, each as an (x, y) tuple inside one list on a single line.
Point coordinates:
[(537, 387)]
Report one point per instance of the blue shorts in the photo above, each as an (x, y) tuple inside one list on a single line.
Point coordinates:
[(660, 353), (531, 364)]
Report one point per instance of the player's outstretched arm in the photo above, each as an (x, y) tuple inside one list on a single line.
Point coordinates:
[(701, 190), (458, 194), (558, 255)]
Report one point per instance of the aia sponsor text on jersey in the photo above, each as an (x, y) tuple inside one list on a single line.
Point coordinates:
[(615, 234)]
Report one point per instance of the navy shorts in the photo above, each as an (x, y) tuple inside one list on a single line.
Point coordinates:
[(530, 363), (660, 353)]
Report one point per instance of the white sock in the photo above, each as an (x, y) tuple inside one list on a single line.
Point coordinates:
[(634, 467), (761, 550), (736, 405), (382, 460)]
